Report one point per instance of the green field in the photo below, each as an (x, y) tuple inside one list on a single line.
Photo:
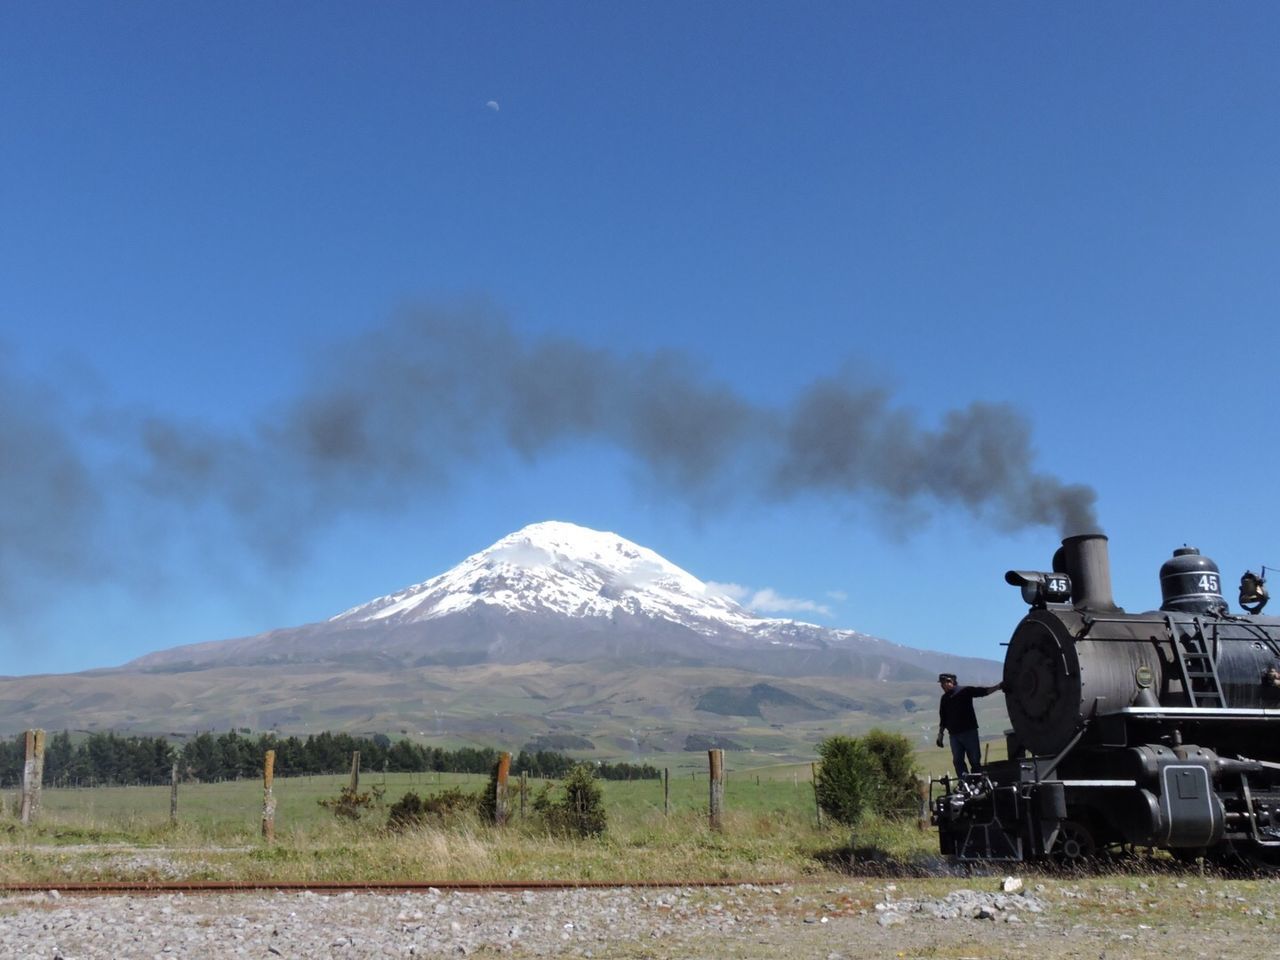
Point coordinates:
[(235, 807), (770, 832)]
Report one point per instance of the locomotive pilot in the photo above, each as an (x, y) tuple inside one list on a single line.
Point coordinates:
[(956, 717)]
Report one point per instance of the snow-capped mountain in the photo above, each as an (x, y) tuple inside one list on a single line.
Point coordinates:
[(560, 568), (553, 630), (557, 592)]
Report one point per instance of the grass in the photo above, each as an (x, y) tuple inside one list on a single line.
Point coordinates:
[(770, 833), (235, 807)]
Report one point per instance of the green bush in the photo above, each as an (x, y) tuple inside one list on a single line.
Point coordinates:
[(897, 790), (872, 775), (412, 810), (349, 804), (580, 811), (845, 780)]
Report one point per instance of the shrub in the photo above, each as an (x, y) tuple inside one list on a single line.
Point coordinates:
[(896, 794), (875, 774), (349, 804), (846, 777), (580, 811), (412, 810)]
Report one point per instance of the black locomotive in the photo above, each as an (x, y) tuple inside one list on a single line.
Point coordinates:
[(1158, 729)]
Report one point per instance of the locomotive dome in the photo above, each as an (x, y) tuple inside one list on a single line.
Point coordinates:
[(1191, 583)]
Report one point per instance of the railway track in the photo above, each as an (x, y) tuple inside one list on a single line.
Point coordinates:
[(144, 887)]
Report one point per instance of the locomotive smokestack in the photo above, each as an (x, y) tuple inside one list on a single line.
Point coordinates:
[(1085, 560)]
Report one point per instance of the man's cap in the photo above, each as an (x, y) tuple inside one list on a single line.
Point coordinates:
[(946, 676)]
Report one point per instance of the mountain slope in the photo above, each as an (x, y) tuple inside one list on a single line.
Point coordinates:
[(562, 593), (554, 630)]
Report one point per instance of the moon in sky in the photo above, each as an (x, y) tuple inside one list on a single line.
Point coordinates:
[(493, 105)]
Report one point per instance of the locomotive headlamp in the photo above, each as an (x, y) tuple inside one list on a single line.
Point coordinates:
[(1039, 588), (1253, 592)]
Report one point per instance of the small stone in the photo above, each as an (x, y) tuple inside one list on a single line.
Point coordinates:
[(1011, 885)]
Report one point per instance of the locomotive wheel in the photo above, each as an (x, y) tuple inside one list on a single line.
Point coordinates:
[(1074, 844)]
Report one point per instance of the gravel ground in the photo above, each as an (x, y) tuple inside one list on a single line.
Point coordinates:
[(989, 919)]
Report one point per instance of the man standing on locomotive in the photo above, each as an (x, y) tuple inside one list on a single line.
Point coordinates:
[(956, 716)]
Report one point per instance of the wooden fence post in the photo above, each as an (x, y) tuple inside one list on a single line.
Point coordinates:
[(500, 791), (666, 791), (268, 799), (715, 759), (924, 788), (524, 790), (813, 772), (355, 771), (32, 776), (173, 793)]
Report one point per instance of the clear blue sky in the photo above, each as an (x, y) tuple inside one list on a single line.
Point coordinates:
[(301, 303)]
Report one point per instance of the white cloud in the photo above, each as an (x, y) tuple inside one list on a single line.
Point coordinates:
[(770, 601), (734, 591), (766, 600)]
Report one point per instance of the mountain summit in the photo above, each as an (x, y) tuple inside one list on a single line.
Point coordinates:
[(562, 569), (560, 593)]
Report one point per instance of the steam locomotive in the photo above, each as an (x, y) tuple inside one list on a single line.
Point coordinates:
[(1129, 730)]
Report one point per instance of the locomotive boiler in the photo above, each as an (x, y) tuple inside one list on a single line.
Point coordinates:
[(1158, 729)]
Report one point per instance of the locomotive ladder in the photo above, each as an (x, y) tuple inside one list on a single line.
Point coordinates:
[(1199, 666)]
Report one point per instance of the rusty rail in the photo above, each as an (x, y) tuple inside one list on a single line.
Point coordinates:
[(143, 887)]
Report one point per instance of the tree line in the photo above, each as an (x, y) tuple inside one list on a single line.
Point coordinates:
[(111, 759)]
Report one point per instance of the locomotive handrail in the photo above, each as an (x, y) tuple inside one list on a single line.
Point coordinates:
[(1224, 713), (1127, 618), (1136, 618)]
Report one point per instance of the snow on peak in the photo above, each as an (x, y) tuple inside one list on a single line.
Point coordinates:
[(562, 568)]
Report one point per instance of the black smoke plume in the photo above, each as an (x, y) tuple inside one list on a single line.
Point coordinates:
[(49, 503), (415, 402), (414, 405)]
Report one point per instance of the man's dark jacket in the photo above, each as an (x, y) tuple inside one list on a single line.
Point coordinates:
[(955, 709)]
